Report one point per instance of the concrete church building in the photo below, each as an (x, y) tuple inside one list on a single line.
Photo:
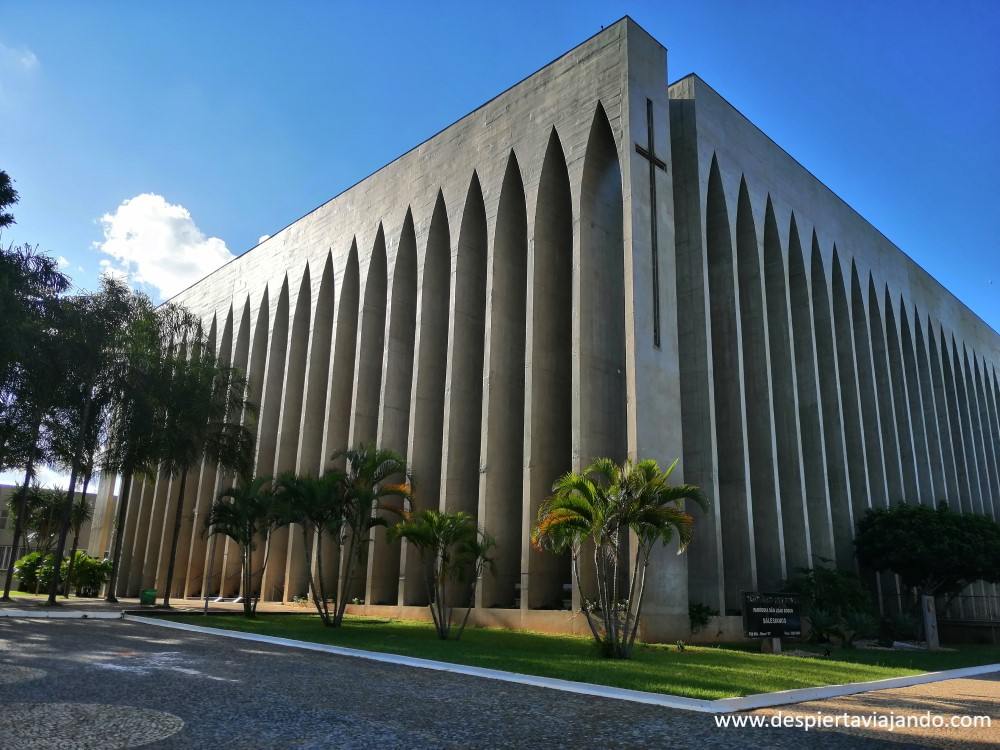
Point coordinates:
[(596, 263)]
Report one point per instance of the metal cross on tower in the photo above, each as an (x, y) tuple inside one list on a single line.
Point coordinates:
[(649, 151)]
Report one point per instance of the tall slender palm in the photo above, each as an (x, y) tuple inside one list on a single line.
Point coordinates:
[(139, 378), (82, 513), (210, 419), (245, 514), (454, 549), (602, 505), (316, 506), (372, 475)]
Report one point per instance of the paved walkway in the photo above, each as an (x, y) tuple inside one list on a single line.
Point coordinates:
[(111, 683)]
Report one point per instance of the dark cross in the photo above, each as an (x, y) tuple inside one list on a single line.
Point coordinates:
[(654, 161)]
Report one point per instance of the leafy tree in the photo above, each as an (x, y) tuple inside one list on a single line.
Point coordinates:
[(8, 197), (138, 378), (934, 551), (316, 506), (82, 513), (209, 418), (454, 550), (372, 475), (601, 506), (245, 514)]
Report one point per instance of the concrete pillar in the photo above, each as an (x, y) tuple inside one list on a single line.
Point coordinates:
[(909, 458), (463, 405), (840, 514), (705, 564), (500, 496), (854, 434), (877, 474), (738, 538), (599, 366), (427, 395), (920, 377), (765, 491), (394, 418), (883, 390), (783, 389), (548, 374)]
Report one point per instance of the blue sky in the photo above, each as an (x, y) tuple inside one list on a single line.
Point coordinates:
[(222, 122)]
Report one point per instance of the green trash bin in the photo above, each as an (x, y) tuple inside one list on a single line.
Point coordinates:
[(147, 596)]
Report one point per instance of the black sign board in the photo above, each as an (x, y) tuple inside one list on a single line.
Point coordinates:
[(771, 615)]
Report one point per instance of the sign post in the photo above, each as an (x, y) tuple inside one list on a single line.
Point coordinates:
[(771, 617)]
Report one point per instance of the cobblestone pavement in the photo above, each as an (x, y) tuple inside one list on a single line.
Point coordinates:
[(110, 684)]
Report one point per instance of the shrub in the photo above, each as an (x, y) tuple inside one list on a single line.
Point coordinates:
[(89, 574), (26, 570), (838, 592), (700, 614)]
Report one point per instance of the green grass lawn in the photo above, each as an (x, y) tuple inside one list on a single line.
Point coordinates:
[(697, 672)]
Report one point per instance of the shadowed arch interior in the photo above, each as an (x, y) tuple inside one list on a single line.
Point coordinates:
[(738, 553), (548, 429), (501, 491)]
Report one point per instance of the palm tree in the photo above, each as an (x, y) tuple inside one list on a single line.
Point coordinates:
[(602, 505), (82, 513), (138, 378), (210, 419), (316, 506), (372, 474), (451, 547), (244, 514)]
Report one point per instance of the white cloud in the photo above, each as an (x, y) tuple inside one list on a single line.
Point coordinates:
[(157, 244), (17, 57), (263, 237), (62, 261)]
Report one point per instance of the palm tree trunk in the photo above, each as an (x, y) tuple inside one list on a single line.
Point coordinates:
[(22, 504), (247, 579), (119, 538), (178, 517), (67, 510), (76, 544)]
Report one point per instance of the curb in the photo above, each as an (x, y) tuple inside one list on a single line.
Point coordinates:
[(33, 614), (719, 706)]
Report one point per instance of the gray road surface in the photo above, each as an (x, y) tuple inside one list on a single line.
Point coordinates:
[(110, 684)]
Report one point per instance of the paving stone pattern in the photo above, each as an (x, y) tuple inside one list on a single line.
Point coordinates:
[(230, 694)]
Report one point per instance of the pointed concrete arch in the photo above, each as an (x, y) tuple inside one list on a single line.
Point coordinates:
[(877, 482), (310, 459), (427, 395), (787, 433), (942, 468), (947, 418), (503, 449), (194, 579), (371, 342), (854, 434), (267, 435), (599, 314), (991, 500), (759, 428), (549, 378), (738, 553), (840, 513), (883, 387), (974, 435), (288, 439), (972, 503), (923, 460), (464, 386), (345, 340), (222, 559), (394, 421), (908, 457), (293, 389), (992, 427)]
